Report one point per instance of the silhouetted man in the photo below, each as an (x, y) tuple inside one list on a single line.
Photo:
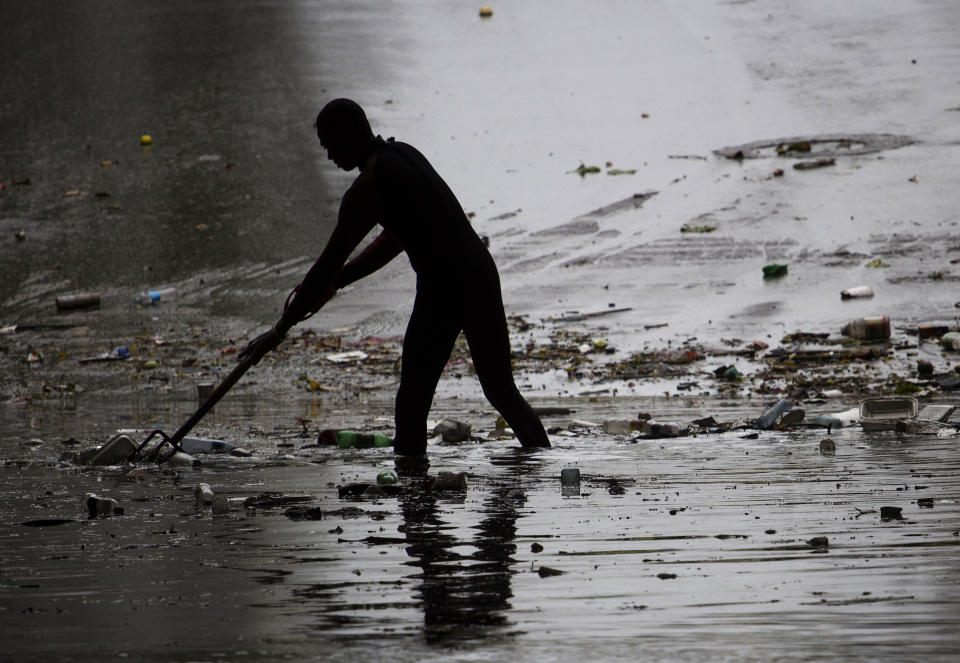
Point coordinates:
[(458, 288)]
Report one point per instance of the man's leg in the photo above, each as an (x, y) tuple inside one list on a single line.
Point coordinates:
[(486, 332), (427, 345)]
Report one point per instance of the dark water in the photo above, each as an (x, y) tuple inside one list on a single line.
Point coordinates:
[(228, 94)]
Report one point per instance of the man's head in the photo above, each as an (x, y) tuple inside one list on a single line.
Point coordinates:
[(344, 131)]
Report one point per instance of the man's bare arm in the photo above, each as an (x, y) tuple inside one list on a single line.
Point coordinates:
[(359, 213), (378, 253)]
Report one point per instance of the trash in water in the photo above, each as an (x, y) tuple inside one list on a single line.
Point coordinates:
[(792, 417), (348, 439), (770, 417), (816, 163), (882, 413), (367, 490), (874, 328), (656, 430), (118, 449), (118, 354), (774, 270), (347, 357), (452, 431), (101, 506), (932, 331), (193, 445), (860, 291), (546, 572), (891, 513), (153, 297), (448, 481), (182, 459), (570, 476), (728, 373), (387, 477), (203, 494), (936, 412), (934, 419), (828, 447), (220, 505), (583, 170), (828, 421), (796, 146), (205, 391), (620, 426), (304, 513), (84, 300), (690, 228), (951, 341), (272, 500)]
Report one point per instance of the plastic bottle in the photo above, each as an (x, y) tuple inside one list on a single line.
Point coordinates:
[(772, 414), (86, 300), (774, 270), (868, 328), (856, 292), (192, 445), (951, 341), (929, 331), (203, 493), (348, 439), (387, 477), (153, 296), (101, 506)]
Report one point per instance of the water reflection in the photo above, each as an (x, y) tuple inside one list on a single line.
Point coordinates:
[(463, 595)]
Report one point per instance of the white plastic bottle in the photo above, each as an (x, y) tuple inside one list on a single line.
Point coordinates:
[(951, 341), (203, 493), (856, 292), (193, 445)]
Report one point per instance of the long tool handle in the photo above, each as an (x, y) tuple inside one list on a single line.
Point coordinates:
[(214, 398)]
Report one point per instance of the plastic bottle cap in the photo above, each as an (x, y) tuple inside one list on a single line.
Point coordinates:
[(146, 139)]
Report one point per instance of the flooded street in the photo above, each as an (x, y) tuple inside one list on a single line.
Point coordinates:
[(636, 168)]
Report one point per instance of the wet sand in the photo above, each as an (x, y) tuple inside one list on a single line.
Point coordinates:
[(507, 109)]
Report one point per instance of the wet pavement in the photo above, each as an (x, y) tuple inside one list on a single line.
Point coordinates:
[(633, 283)]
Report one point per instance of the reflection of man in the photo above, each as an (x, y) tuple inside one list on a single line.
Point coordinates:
[(464, 594), (458, 288)]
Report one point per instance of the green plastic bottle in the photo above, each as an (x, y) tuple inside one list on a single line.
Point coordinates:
[(348, 439)]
